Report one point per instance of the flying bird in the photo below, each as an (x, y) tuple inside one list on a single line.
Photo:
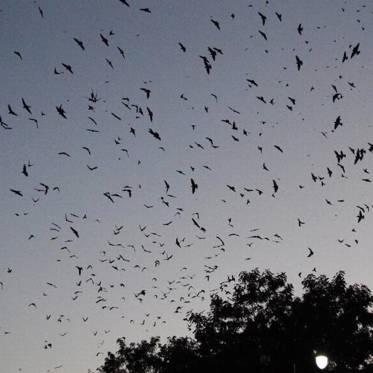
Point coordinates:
[(11, 111), (263, 18), (18, 54), (87, 149), (206, 63), (80, 43), (215, 23), (275, 187), (344, 57), (300, 29), (125, 2), (17, 192), (65, 154), (300, 222), (182, 47), (194, 185), (310, 252), (355, 50), (299, 62), (26, 106), (68, 67), (61, 111), (338, 122), (150, 113), (252, 82), (104, 40), (154, 134), (147, 92), (56, 72), (109, 63), (80, 269), (263, 34), (76, 233), (24, 170), (121, 51)]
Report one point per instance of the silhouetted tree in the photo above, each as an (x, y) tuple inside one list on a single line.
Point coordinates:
[(263, 327), (335, 318)]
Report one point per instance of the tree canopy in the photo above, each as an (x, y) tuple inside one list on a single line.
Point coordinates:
[(261, 326)]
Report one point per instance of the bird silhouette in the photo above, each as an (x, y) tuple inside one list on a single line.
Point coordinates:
[(61, 111), (17, 53), (299, 62), (11, 111), (206, 64), (68, 67), (263, 34), (26, 106), (310, 252), (338, 122), (125, 2), (80, 43), (263, 18), (355, 50), (194, 186), (17, 192), (215, 23), (104, 40), (121, 51), (155, 134), (300, 29)]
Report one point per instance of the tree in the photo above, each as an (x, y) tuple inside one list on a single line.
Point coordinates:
[(263, 327), (336, 318)]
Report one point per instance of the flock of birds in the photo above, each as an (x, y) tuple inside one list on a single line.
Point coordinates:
[(146, 245)]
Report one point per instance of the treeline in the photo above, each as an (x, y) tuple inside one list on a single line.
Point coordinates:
[(260, 326)]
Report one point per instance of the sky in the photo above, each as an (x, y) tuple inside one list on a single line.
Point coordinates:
[(151, 149)]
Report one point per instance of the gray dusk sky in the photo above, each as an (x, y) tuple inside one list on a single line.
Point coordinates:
[(107, 122)]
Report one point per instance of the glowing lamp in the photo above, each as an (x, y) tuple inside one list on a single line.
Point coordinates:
[(321, 361)]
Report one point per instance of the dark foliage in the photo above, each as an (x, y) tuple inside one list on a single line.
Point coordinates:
[(263, 327)]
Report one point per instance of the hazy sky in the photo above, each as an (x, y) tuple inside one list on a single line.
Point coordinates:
[(102, 234)]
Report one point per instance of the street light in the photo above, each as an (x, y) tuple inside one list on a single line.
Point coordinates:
[(321, 361)]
